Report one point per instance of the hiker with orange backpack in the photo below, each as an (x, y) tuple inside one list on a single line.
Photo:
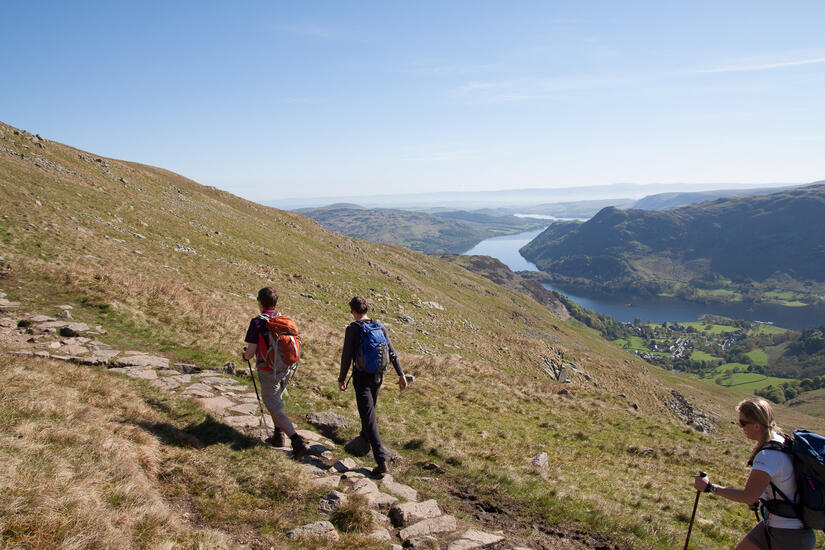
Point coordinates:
[(367, 348), (773, 487), (272, 339)]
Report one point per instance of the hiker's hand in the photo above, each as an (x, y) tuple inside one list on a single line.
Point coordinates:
[(700, 483), (249, 351), (402, 382), (342, 386)]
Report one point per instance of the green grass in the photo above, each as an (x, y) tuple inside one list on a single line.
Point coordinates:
[(758, 356), (632, 343), (673, 288), (713, 329), (730, 295), (699, 355), (787, 298), (581, 326), (810, 402), (767, 330), (745, 382)]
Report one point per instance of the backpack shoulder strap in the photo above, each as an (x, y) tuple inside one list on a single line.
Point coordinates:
[(769, 446), (784, 447)]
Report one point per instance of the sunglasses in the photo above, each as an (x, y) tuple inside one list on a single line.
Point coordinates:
[(743, 423)]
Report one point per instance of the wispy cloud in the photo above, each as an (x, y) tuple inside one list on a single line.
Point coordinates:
[(557, 87), (788, 112), (526, 89), (759, 67)]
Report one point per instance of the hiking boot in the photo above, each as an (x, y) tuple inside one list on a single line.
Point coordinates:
[(380, 470), (299, 448), (277, 438)]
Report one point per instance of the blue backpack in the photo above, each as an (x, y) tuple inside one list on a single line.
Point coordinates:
[(374, 351), (807, 450)]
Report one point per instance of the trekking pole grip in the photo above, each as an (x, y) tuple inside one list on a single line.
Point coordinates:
[(693, 515)]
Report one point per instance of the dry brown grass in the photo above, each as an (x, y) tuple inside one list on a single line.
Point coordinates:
[(134, 292), (91, 460), (73, 475)]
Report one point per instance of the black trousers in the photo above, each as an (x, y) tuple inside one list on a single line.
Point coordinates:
[(366, 396)]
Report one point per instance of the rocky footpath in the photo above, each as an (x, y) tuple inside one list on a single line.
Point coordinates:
[(402, 516)]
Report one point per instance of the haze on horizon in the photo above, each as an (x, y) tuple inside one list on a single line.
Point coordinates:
[(325, 99)]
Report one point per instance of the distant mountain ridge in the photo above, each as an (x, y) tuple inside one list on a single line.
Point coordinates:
[(666, 201), (777, 236), (508, 198), (450, 232)]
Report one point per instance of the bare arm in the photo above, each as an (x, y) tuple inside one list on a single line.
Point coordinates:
[(249, 351), (757, 483)]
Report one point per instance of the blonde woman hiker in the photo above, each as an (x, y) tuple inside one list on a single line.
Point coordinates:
[(770, 466)]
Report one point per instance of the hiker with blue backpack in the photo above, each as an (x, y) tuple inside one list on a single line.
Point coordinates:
[(785, 483), (367, 348)]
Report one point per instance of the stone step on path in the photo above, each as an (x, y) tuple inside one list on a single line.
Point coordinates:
[(400, 517), (5, 303)]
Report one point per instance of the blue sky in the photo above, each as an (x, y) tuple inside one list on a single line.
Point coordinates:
[(302, 99)]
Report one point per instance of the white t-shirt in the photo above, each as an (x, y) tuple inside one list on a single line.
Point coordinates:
[(779, 466)]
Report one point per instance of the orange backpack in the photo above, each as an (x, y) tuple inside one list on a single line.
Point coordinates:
[(284, 348)]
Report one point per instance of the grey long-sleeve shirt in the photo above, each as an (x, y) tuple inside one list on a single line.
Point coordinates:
[(352, 339)]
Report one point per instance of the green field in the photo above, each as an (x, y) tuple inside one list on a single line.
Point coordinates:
[(634, 342), (745, 382), (785, 297), (767, 330), (758, 356), (703, 356), (720, 292), (713, 330)]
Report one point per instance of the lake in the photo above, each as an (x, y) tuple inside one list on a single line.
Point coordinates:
[(505, 249), (658, 310)]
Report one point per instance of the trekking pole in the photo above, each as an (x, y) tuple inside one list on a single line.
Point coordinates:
[(693, 515), (261, 407)]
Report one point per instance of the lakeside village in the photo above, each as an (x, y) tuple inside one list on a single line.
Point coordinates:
[(751, 356), (679, 341)]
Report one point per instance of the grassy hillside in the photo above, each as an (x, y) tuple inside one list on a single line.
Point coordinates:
[(755, 248), (441, 232), (170, 266), (496, 271), (812, 403)]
